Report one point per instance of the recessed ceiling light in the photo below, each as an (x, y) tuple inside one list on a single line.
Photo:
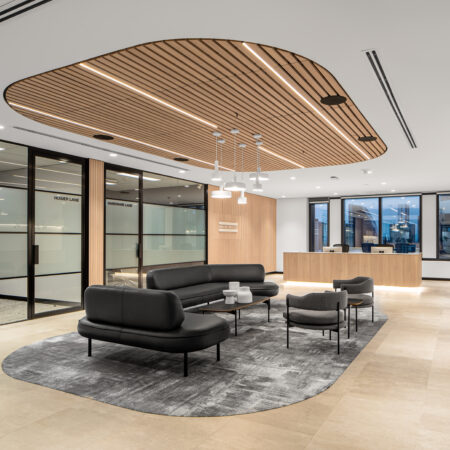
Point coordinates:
[(181, 171), (305, 100), (2, 127), (103, 137), (383, 182), (292, 178), (113, 155), (392, 190), (367, 171), (145, 94), (367, 138), (335, 193), (179, 195), (317, 187), (156, 147), (283, 196), (333, 100), (2, 148)]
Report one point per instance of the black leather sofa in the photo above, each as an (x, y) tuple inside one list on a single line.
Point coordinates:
[(149, 319), (201, 284)]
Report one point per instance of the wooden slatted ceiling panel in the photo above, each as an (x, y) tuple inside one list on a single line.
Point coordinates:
[(212, 79)]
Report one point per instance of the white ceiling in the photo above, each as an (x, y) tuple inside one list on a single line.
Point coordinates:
[(411, 38)]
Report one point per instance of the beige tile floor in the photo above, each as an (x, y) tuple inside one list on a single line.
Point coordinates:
[(395, 395)]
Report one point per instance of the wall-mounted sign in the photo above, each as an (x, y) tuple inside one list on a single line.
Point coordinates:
[(228, 227), (114, 203), (66, 199)]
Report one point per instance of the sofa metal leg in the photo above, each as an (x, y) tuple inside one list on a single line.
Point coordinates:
[(373, 313), (330, 335), (356, 319), (185, 364), (218, 352), (323, 332), (89, 347), (338, 340), (268, 311), (345, 314), (348, 322)]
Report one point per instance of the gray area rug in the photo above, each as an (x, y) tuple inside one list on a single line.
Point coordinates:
[(256, 372)]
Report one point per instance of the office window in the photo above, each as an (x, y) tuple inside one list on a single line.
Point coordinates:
[(318, 217), (444, 226), (361, 222), (401, 223)]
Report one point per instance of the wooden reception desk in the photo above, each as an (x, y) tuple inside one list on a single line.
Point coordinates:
[(397, 269)]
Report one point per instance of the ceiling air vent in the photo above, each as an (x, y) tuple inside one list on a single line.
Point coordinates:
[(13, 8), (379, 71)]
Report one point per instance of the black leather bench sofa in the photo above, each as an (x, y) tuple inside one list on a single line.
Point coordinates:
[(149, 319), (201, 284)]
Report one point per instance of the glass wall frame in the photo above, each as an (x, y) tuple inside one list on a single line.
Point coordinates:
[(443, 226), (319, 225), (37, 220), (152, 237)]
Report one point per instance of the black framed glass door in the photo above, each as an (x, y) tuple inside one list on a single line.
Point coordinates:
[(56, 244)]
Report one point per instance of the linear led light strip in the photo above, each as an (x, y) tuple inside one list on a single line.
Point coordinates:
[(281, 157), (305, 100), (112, 134), (145, 94)]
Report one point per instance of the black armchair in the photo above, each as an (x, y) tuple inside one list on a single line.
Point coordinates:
[(316, 311), (360, 294)]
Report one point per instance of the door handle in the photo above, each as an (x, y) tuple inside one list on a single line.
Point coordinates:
[(35, 254)]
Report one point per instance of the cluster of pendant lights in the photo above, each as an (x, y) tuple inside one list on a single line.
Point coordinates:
[(235, 185)]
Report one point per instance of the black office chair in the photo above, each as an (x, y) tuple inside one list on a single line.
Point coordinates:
[(345, 247)]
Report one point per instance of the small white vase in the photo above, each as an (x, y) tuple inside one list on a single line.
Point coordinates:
[(230, 296), (244, 295), (233, 285)]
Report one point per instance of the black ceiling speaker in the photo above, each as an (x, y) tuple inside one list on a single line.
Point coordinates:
[(367, 138), (103, 137), (333, 100), (180, 159)]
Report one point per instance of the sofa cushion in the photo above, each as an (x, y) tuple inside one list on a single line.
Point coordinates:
[(314, 317), (201, 290), (146, 309), (262, 288), (176, 277), (197, 332), (237, 272)]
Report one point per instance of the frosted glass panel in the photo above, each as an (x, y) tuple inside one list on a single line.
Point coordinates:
[(13, 209), (122, 277), (58, 253), (16, 287), (122, 217), (57, 213), (66, 288), (13, 255), (173, 249), (121, 251), (170, 220), (58, 175)]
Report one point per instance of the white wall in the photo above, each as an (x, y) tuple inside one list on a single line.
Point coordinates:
[(335, 221), (292, 227)]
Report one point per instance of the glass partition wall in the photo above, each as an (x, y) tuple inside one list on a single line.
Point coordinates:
[(42, 245), (390, 220), (444, 226), (151, 221)]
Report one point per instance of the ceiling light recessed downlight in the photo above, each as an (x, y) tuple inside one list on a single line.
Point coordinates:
[(145, 94), (2, 127), (333, 100), (292, 178), (182, 171), (367, 138), (305, 100), (2, 148), (103, 137), (113, 155), (383, 182)]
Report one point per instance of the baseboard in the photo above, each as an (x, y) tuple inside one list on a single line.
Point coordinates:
[(435, 279)]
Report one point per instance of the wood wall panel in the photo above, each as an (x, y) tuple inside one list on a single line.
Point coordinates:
[(386, 270), (255, 240), (96, 221)]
